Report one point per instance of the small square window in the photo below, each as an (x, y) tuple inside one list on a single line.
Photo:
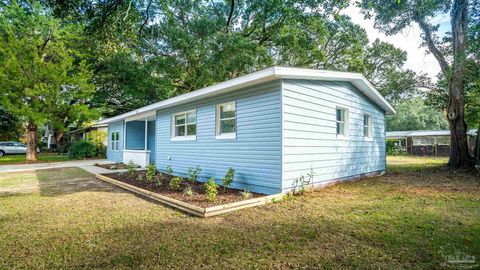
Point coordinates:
[(184, 126)]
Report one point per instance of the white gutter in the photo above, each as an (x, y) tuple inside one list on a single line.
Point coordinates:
[(265, 75)]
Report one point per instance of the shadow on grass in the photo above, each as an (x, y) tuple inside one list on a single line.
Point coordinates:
[(366, 224), (273, 236)]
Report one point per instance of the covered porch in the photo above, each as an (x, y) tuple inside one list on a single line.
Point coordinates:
[(139, 140)]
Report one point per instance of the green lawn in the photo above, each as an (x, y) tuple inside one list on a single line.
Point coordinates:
[(405, 219), (42, 157), (400, 164)]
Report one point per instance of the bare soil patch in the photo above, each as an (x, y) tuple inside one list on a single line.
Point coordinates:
[(115, 166)]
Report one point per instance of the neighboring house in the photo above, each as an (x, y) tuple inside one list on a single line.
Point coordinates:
[(48, 137), (273, 127), (73, 135), (83, 133), (428, 142)]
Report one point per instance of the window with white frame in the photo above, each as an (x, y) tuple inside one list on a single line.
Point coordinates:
[(367, 126), (226, 122), (184, 125), (115, 139), (342, 122)]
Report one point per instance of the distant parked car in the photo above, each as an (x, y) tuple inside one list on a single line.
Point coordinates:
[(8, 148)]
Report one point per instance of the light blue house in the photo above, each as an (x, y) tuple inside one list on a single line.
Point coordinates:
[(272, 126)]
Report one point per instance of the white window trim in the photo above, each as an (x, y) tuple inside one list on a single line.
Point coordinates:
[(346, 123), (186, 137), (225, 136), (115, 142), (370, 127)]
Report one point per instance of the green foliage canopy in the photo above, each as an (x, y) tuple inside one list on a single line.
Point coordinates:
[(42, 76), (10, 126), (414, 114), (149, 51)]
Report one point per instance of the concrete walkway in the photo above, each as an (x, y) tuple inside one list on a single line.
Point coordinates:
[(87, 165)]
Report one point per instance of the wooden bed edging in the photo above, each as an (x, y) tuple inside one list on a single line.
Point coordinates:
[(189, 208)]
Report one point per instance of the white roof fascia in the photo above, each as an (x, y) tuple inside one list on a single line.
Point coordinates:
[(357, 79), (265, 75)]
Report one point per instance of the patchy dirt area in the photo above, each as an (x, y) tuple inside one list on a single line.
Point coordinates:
[(49, 182), (115, 166), (224, 196)]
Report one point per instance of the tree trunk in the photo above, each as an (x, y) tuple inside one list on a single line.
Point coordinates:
[(459, 153), (476, 151), (459, 156), (31, 142), (58, 136)]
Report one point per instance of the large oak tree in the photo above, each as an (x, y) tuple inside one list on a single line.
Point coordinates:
[(41, 74), (393, 16)]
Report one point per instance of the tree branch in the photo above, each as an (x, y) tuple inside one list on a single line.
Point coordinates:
[(445, 67), (128, 10), (110, 10), (49, 37), (147, 13), (232, 8)]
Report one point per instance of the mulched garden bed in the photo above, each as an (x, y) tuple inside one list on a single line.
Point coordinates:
[(224, 196)]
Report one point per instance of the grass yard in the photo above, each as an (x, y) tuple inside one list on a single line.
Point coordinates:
[(414, 163), (412, 217), (42, 157)]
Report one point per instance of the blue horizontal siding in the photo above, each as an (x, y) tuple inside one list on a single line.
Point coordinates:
[(115, 156), (309, 135), (255, 154)]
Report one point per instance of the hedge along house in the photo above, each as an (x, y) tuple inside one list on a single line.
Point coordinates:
[(272, 126)]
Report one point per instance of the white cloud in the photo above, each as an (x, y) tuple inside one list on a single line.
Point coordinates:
[(408, 40)]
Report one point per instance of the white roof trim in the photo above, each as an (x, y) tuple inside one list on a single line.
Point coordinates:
[(265, 75), (421, 133)]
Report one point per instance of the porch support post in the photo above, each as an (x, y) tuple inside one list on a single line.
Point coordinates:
[(146, 132), (124, 134)]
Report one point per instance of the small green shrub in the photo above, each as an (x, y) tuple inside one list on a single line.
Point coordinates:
[(299, 184), (394, 148), (63, 146), (175, 183), (101, 151), (81, 149), (188, 191), (288, 197), (131, 169), (193, 173), (169, 170), (97, 137), (228, 178), (246, 194), (151, 171), (158, 180), (211, 189)]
